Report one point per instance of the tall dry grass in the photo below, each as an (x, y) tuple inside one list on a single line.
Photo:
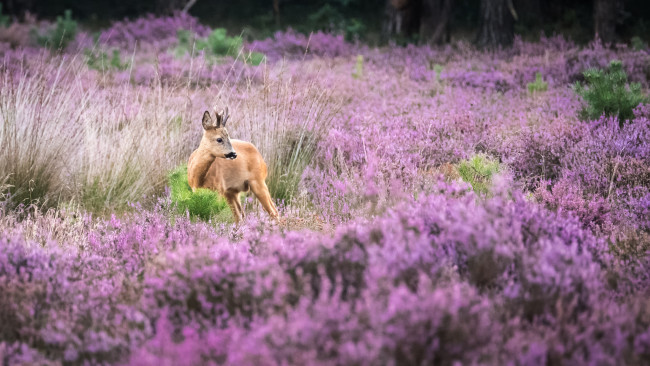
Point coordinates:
[(285, 117), (41, 119), (70, 137), (66, 137)]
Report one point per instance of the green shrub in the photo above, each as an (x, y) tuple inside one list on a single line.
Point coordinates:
[(327, 17), (4, 19), (185, 41), (63, 33), (354, 29), (539, 85), (608, 92), (101, 61), (218, 43), (478, 171), (255, 58), (203, 204), (638, 44)]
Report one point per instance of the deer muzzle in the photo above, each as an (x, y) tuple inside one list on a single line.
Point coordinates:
[(231, 155)]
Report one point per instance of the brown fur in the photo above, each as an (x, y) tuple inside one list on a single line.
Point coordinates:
[(208, 168)]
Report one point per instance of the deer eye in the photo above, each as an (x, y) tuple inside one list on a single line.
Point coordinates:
[(219, 140)]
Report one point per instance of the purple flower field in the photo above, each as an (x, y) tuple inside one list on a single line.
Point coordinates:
[(384, 254)]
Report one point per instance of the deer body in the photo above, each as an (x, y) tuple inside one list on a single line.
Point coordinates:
[(229, 167)]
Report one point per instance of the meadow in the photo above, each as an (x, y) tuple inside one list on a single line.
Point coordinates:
[(438, 205)]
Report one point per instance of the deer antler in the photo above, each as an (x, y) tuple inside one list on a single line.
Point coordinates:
[(224, 117)]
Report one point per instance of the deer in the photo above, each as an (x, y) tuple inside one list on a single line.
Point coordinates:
[(229, 167)]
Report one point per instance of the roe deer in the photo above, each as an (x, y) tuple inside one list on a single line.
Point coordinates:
[(229, 167)]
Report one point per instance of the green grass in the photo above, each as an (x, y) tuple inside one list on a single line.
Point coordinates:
[(539, 85), (478, 171), (358, 68), (203, 204)]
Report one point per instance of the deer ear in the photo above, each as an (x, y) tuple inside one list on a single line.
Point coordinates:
[(207, 122)]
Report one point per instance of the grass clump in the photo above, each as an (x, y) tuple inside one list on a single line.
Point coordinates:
[(358, 68), (539, 85), (608, 92), (478, 171), (203, 204), (63, 33)]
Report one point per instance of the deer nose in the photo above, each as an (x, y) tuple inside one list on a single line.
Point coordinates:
[(231, 155)]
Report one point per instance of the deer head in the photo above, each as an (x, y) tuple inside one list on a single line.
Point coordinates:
[(215, 137)]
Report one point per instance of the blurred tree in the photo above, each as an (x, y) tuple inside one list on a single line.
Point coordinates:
[(171, 6), (497, 19), (434, 24), (402, 18), (605, 18), (427, 20), (276, 12), (530, 12)]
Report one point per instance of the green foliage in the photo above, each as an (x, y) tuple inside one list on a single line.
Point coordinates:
[(331, 17), (607, 92), (63, 33), (326, 16), (478, 171), (354, 29), (203, 204), (101, 61), (437, 68), (4, 19), (539, 85), (255, 58), (638, 44), (218, 43), (185, 42), (358, 68), (100, 195)]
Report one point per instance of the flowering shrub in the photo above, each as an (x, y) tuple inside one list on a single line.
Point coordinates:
[(384, 253), (292, 44), (158, 32)]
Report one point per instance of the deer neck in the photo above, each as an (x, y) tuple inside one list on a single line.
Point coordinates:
[(204, 160)]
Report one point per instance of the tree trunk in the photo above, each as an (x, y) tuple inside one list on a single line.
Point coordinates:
[(497, 23), (531, 12), (276, 12), (402, 18), (168, 7), (605, 20), (434, 24)]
